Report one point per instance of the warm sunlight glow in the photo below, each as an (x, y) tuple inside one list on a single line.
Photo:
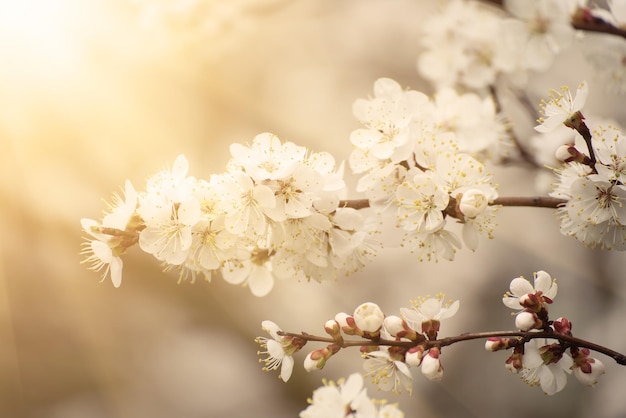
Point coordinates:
[(35, 36)]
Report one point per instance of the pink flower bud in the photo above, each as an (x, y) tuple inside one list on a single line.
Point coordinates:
[(563, 326), (346, 322), (316, 359), (333, 329)]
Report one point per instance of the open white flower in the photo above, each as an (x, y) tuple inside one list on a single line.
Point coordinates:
[(428, 309), (103, 251), (543, 29), (275, 349), (421, 202), (267, 158), (167, 235), (99, 254), (543, 369), (245, 205), (561, 107), (333, 400), (596, 200), (544, 286), (388, 373)]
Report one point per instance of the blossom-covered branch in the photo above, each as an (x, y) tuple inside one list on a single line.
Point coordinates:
[(467, 336), (543, 350)]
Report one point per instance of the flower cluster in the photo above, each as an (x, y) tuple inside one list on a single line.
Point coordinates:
[(591, 179), (544, 351), (543, 361), (470, 45), (391, 344), (274, 214), (347, 398), (412, 169)]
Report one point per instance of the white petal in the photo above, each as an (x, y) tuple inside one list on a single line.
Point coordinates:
[(271, 328), (450, 311), (543, 281), (181, 166), (275, 349), (260, 281), (520, 286), (116, 271), (102, 251), (581, 96), (287, 368), (351, 388), (264, 196)]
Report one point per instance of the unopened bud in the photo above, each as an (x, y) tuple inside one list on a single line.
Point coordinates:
[(369, 317), (563, 326), (431, 365), (316, 359), (413, 356), (333, 329), (473, 202), (531, 302), (499, 343), (397, 327), (525, 321), (347, 324)]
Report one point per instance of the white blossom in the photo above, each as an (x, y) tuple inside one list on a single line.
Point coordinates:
[(561, 107), (278, 353), (347, 397), (543, 30), (102, 251), (548, 372), (388, 373), (544, 286), (428, 309), (368, 317)]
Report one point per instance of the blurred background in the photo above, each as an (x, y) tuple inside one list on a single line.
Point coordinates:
[(96, 92)]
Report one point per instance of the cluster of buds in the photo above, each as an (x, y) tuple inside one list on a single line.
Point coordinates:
[(390, 344), (544, 351), (548, 362)]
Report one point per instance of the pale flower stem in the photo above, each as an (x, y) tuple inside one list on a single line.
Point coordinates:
[(522, 201), (524, 335)]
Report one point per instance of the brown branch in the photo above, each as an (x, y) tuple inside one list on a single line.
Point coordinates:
[(521, 201), (584, 20), (534, 201), (524, 335)]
